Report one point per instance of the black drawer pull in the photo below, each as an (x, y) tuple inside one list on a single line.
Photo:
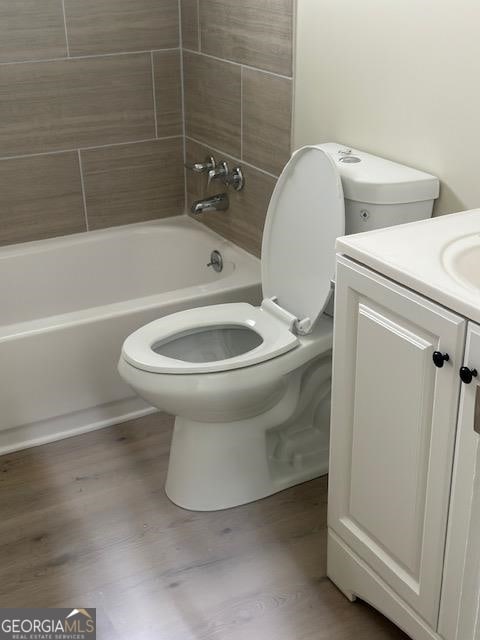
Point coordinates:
[(440, 358), (467, 375)]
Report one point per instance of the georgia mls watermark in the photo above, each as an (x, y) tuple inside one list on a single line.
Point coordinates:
[(48, 624)]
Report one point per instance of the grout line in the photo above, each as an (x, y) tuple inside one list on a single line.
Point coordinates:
[(220, 152), (83, 189), (294, 75), (86, 56), (182, 92), (154, 96), (65, 27), (179, 48), (241, 113), (199, 30), (239, 64), (98, 146)]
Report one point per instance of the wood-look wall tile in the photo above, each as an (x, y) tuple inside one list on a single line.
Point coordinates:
[(243, 222), (213, 102), (133, 182), (190, 26), (40, 197), (108, 26), (65, 104), (267, 114), (31, 30), (168, 92), (255, 33)]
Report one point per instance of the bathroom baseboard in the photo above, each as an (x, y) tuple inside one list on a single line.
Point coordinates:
[(74, 424)]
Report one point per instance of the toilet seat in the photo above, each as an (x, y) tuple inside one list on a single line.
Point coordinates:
[(276, 338), (305, 216)]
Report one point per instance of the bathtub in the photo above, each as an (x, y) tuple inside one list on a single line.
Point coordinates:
[(67, 304)]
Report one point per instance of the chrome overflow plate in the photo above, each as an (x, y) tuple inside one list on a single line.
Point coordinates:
[(216, 261)]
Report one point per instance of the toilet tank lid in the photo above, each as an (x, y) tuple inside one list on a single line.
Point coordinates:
[(371, 179)]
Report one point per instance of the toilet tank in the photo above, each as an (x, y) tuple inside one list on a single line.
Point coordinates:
[(380, 193)]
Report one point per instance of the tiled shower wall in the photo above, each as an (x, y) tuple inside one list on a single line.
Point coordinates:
[(237, 63), (91, 110), (91, 131)]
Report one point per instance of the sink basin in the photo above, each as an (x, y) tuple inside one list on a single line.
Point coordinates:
[(438, 258), (461, 260)]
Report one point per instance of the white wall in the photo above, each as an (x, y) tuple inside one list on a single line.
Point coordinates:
[(399, 78)]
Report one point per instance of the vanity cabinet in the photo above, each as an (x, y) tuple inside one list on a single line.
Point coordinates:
[(394, 415)]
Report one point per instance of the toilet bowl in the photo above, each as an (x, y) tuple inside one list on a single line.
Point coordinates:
[(250, 386), (247, 432)]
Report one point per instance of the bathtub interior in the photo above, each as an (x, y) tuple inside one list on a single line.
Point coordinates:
[(88, 270)]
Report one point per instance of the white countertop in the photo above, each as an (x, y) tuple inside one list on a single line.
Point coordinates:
[(414, 255)]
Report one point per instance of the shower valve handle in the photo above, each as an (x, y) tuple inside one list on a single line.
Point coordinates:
[(203, 167), (220, 172)]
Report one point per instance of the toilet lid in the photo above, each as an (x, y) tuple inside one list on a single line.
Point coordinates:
[(305, 216)]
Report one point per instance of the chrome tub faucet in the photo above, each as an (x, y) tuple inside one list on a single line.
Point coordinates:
[(219, 202)]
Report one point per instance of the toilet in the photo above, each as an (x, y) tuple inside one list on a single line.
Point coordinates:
[(250, 386)]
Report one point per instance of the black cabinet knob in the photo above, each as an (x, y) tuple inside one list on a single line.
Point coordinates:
[(439, 358), (467, 375)]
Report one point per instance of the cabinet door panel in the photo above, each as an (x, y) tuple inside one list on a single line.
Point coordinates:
[(393, 428), (399, 437), (460, 608)]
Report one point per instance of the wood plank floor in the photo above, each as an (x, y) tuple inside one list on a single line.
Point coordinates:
[(85, 523)]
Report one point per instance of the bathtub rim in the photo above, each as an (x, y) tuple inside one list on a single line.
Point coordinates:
[(183, 220)]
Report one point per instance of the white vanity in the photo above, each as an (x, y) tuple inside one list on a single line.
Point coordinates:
[(404, 503)]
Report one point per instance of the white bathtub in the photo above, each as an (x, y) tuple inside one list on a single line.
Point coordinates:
[(68, 303)]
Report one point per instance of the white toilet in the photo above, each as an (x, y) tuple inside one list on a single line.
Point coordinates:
[(250, 386)]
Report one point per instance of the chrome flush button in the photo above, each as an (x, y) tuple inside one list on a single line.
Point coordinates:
[(347, 158)]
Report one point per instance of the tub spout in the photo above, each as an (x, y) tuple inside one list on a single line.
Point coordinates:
[(220, 202)]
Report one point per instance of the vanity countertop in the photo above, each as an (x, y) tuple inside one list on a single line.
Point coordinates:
[(439, 258)]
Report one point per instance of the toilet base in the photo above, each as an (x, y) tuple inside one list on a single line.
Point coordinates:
[(213, 466), (216, 465)]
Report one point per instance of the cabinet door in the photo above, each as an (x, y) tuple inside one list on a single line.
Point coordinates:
[(460, 608), (393, 428)]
